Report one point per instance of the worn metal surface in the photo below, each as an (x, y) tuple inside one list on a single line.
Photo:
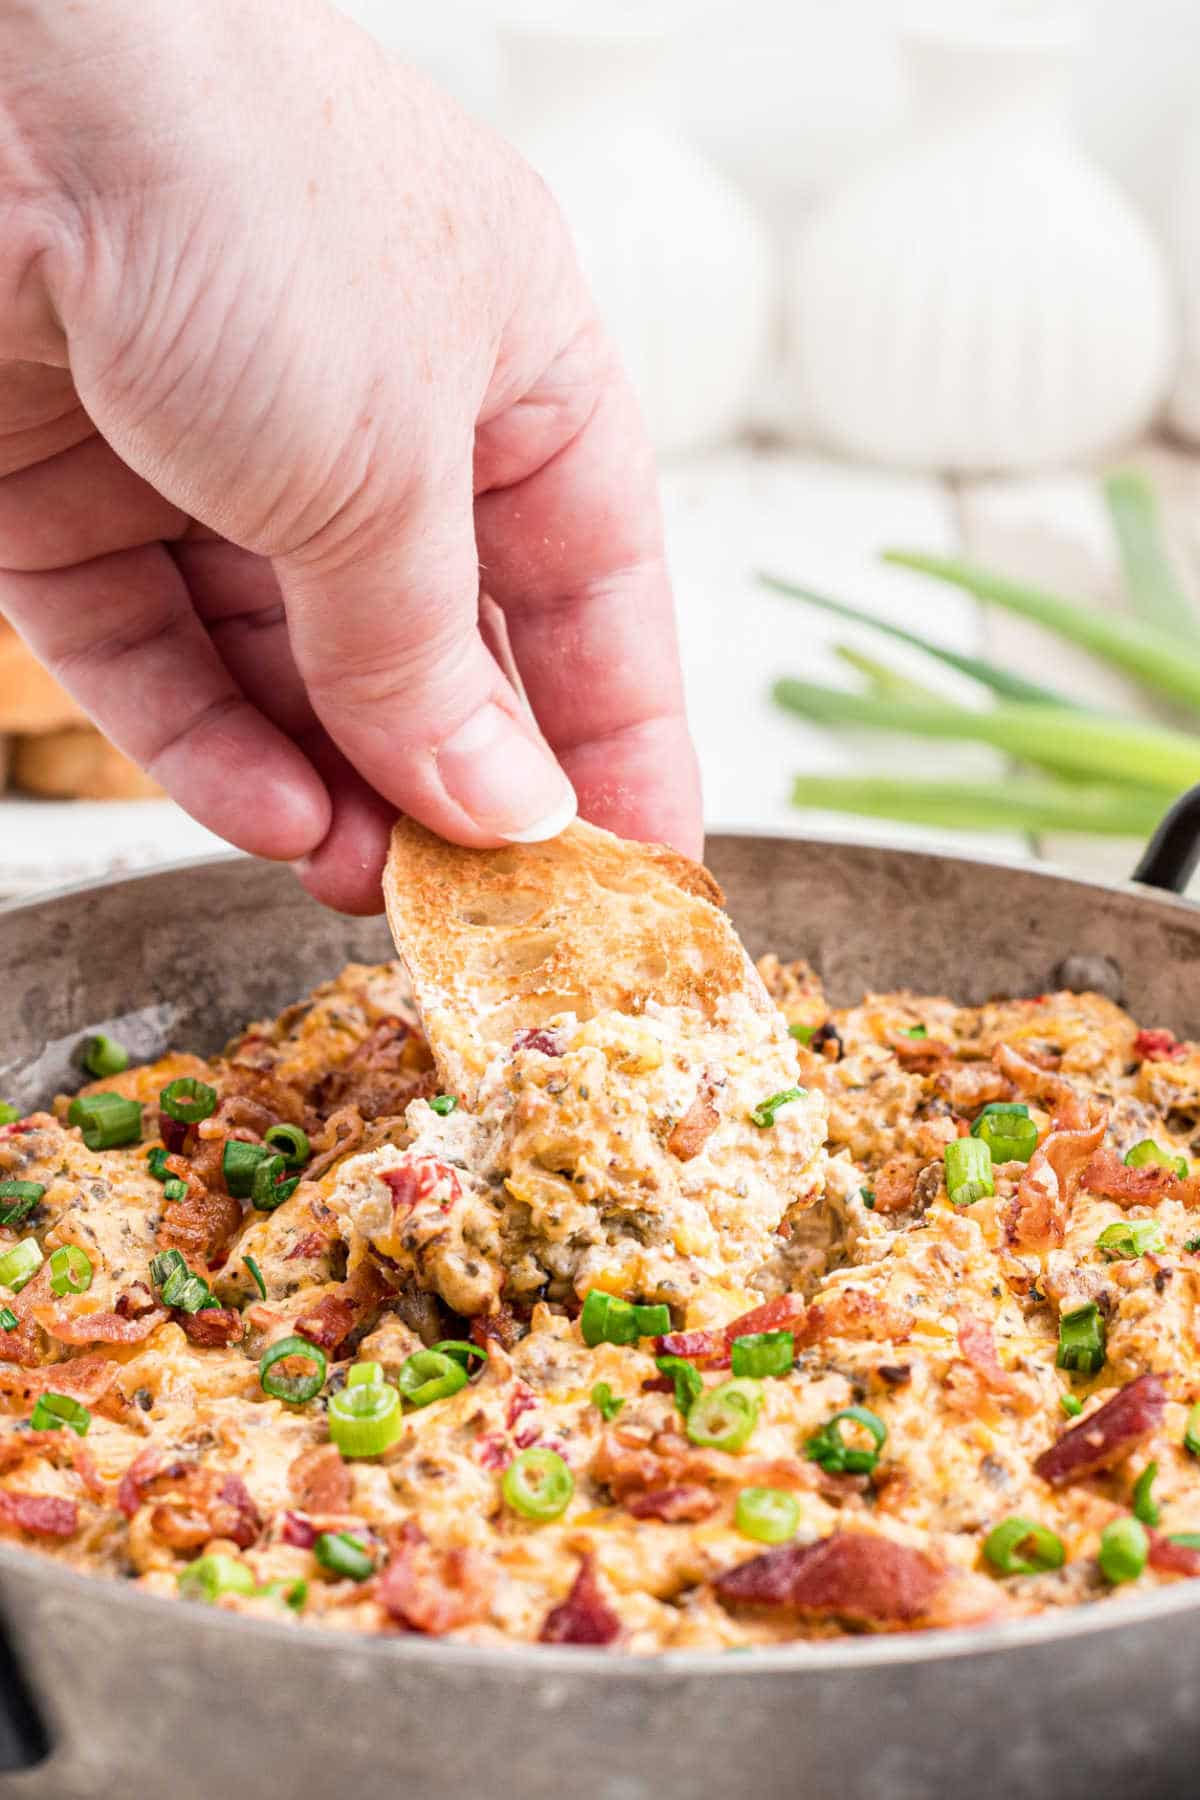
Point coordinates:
[(156, 1698)]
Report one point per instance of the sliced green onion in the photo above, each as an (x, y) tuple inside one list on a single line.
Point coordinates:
[(156, 1162), (968, 1164), (442, 1104), (364, 1374), (652, 1321), (292, 1593), (176, 1283), (867, 1196), (1126, 1239), (1070, 1405), (769, 1515), (283, 1190), (763, 1114), (20, 1264), (1193, 1244), (265, 1182), (1145, 1508), (294, 1388), (104, 1056), (9, 1114), (829, 1447), (70, 1270), (427, 1376), (1008, 1136), (210, 1576), (760, 1354), (724, 1417), (1149, 579), (607, 1404), (1081, 1339), (1147, 1151), (461, 1351), (917, 1031), (803, 1034), (1020, 1546), (256, 1275), (607, 1319), (1005, 1110), (175, 1189), (1191, 1431), (292, 1141), (1124, 1548), (106, 1121), (538, 1484), (343, 1554), (165, 1265), (239, 1161), (1020, 804), (8, 1319), (366, 1419), (18, 1199), (188, 1100), (1190, 1539), (687, 1379), (55, 1410)]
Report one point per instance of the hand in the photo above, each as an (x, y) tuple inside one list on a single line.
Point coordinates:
[(290, 351)]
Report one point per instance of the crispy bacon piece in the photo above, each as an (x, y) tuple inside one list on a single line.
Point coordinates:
[(23, 1343), (534, 1037), (320, 1481), (1171, 1558), (341, 1311), (501, 1327), (202, 1504), (302, 1534), (174, 1133), (134, 1301), (45, 1515), (201, 1225), (313, 1243), (850, 1313), (968, 1086), (715, 1346), (146, 1467), (419, 1180), (584, 1617), (1106, 1437), (214, 1326), (893, 1185), (97, 1327), (434, 1591), (1032, 1078), (920, 1056), (852, 1575), (630, 1462), (88, 1379), (342, 1133), (674, 1505), (690, 1133), (1037, 1215), (978, 1346), (1106, 1174), (1159, 1046), (61, 1448)]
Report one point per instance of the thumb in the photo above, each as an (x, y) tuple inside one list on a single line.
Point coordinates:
[(384, 625)]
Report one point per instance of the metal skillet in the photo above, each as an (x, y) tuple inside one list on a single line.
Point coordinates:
[(108, 1690)]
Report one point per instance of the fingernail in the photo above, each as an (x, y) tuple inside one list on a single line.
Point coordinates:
[(508, 782)]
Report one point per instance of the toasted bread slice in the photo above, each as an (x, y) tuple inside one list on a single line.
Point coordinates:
[(30, 698), (499, 941), (78, 764)]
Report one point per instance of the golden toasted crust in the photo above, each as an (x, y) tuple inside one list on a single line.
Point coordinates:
[(497, 941), (78, 764), (30, 698)]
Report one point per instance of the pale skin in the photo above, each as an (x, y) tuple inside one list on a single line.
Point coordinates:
[(294, 355)]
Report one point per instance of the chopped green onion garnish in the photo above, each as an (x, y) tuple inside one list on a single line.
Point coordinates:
[(188, 1100), (104, 1056), (763, 1114), (9, 1114), (1070, 1405), (291, 1141), (8, 1319), (607, 1404), (20, 1264), (1124, 1548), (295, 1388), (652, 1321), (724, 1418), (1081, 1339), (174, 1189), (55, 1410), (1190, 1539), (291, 1593), (763, 1353), (18, 1199), (829, 1447), (256, 1275), (1145, 1507), (606, 1319), (689, 1383), (1147, 1151), (156, 1162), (769, 1515), (365, 1419), (1023, 1547), (461, 1351), (538, 1484), (364, 1374), (968, 1164), (176, 1283), (343, 1554), (106, 1121), (443, 1104), (803, 1034), (1128, 1238), (917, 1031), (266, 1181), (1192, 1244), (239, 1161), (70, 1270), (1191, 1431), (210, 1576), (1007, 1130), (867, 1196), (427, 1376)]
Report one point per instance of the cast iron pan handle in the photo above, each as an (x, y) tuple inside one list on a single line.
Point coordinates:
[(24, 1741), (1170, 857)]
